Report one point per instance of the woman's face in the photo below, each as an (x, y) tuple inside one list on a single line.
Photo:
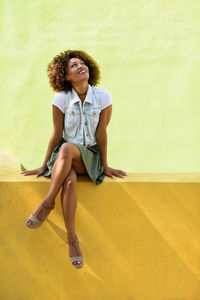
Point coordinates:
[(77, 70)]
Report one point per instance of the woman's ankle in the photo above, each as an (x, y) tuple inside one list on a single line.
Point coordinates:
[(71, 235), (49, 202)]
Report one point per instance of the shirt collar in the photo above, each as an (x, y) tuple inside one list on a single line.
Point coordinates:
[(75, 98)]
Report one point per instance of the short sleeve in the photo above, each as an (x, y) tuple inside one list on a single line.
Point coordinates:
[(59, 101), (106, 100)]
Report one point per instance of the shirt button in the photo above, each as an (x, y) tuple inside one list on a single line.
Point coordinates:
[(87, 134), (83, 112), (72, 112), (85, 124), (88, 144)]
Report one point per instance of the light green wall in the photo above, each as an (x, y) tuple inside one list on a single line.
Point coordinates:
[(149, 53)]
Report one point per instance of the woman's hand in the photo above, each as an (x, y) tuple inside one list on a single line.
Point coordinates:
[(38, 172), (113, 172)]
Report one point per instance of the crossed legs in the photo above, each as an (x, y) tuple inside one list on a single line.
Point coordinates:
[(69, 157), (69, 163)]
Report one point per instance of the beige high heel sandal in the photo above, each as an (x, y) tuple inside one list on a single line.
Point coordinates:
[(33, 222), (75, 259)]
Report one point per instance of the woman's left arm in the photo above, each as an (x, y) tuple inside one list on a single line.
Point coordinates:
[(101, 137)]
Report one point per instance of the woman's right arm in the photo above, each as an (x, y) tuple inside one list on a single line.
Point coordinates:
[(58, 121)]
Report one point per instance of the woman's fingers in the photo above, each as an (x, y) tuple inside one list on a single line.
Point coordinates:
[(122, 173), (118, 173), (31, 172), (115, 173), (38, 172)]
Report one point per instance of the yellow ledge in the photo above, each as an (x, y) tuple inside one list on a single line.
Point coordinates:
[(10, 171), (140, 239)]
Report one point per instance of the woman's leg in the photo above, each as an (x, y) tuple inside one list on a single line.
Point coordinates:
[(69, 204), (69, 156)]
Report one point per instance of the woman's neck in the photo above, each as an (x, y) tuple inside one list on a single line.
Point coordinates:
[(81, 90)]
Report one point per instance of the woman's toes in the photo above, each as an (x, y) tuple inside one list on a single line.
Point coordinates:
[(76, 263), (29, 221)]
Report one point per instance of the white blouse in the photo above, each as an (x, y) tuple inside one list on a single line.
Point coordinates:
[(81, 120)]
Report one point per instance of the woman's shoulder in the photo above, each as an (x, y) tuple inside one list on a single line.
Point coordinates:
[(61, 99), (104, 96), (101, 91), (61, 94)]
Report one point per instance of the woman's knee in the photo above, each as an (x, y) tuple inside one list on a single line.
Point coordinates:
[(66, 150), (70, 179)]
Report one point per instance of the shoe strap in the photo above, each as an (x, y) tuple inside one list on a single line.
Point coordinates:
[(48, 208), (73, 246), (72, 243)]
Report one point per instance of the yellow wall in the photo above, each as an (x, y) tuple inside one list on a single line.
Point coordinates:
[(140, 240)]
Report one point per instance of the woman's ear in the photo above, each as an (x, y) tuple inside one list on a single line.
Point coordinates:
[(67, 77)]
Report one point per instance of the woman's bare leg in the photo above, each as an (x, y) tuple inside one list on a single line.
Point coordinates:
[(69, 204), (69, 156)]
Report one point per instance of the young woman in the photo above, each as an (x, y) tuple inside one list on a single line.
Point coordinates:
[(78, 145)]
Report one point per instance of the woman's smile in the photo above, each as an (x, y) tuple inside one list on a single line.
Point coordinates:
[(77, 66), (82, 72)]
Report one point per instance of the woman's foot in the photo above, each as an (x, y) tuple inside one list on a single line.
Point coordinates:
[(75, 253), (40, 214)]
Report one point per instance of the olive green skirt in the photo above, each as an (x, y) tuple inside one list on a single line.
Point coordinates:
[(91, 159)]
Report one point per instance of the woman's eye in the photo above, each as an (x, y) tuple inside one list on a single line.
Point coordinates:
[(75, 64)]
